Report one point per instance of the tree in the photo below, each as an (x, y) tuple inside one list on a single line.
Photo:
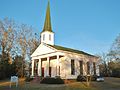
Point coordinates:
[(89, 69), (103, 66), (27, 43), (33, 43), (24, 34), (114, 55), (7, 36), (16, 40), (115, 49), (5, 67), (17, 66)]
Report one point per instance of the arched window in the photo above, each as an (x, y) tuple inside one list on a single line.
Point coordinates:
[(43, 37), (50, 37)]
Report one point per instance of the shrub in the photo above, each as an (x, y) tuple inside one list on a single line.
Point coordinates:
[(2, 75), (81, 78), (84, 78), (116, 73), (28, 79), (94, 78), (49, 80)]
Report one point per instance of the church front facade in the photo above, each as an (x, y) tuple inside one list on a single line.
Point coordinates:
[(53, 60)]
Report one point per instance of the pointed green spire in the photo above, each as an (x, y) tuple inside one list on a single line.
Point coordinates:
[(47, 24)]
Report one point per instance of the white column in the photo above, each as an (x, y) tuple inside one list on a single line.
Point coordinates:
[(84, 68), (91, 68), (57, 65), (32, 68), (97, 70), (47, 70), (39, 67)]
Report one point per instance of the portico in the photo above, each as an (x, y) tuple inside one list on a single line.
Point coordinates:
[(47, 65)]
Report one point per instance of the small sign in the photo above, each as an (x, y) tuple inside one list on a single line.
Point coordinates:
[(14, 79)]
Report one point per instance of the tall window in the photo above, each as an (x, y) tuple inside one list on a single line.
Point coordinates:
[(81, 67), (50, 37), (59, 70), (43, 37), (94, 68), (88, 67), (50, 71), (72, 67)]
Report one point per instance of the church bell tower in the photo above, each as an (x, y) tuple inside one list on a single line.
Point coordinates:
[(47, 35)]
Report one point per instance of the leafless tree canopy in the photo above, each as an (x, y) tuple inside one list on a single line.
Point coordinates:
[(115, 49), (17, 38), (16, 41)]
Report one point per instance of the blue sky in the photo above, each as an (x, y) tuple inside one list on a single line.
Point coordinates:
[(87, 25)]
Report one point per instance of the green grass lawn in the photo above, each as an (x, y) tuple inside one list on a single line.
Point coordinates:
[(108, 84), (47, 87)]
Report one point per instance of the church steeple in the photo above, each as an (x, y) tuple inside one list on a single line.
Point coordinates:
[(47, 24), (47, 35)]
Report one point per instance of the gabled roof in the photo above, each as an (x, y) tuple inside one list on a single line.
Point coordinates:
[(42, 49), (47, 24), (70, 50)]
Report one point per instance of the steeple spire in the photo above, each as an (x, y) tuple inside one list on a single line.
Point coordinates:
[(47, 24), (47, 35)]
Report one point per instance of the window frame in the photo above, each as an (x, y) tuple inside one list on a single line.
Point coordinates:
[(81, 67), (72, 67), (50, 37), (43, 37)]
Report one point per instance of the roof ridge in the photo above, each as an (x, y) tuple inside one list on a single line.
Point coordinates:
[(70, 50)]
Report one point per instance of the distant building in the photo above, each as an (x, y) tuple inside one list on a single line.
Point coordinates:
[(53, 60)]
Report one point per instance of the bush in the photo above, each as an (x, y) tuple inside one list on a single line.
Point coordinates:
[(28, 79), (84, 78), (81, 78), (94, 78), (116, 73), (49, 80), (2, 75)]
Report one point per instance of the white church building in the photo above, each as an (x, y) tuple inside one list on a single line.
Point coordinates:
[(53, 60)]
